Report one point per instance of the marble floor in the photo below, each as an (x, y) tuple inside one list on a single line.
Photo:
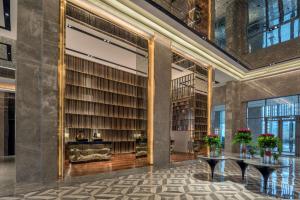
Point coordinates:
[(184, 180)]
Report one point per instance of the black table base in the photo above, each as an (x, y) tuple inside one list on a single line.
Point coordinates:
[(265, 172), (243, 166), (212, 163)]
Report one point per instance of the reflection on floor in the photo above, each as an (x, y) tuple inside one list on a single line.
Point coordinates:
[(117, 162), (188, 180), (179, 156)]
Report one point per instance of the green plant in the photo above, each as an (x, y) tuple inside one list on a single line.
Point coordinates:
[(279, 146), (252, 149), (261, 152), (276, 156), (212, 140), (267, 140), (243, 136)]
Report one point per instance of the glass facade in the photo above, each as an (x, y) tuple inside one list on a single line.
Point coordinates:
[(278, 116), (272, 22), (218, 122)]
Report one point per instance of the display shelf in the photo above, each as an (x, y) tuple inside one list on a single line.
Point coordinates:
[(104, 103), (189, 104)]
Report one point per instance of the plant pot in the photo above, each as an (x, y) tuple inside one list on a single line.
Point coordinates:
[(243, 150), (213, 151), (268, 156)]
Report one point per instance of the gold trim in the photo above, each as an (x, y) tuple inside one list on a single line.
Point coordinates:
[(8, 86), (209, 28), (209, 102), (151, 93), (61, 86), (209, 99)]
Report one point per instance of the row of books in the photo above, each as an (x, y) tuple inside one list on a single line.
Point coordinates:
[(118, 136), (101, 71), (90, 95), (87, 81), (105, 123), (90, 108), (123, 147)]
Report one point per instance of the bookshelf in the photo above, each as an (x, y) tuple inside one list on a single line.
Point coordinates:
[(189, 105), (104, 103)]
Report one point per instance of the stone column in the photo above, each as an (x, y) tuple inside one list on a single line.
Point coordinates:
[(37, 90), (162, 101), (236, 26), (232, 114), (2, 122)]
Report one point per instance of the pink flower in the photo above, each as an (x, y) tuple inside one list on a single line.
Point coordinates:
[(267, 135), (244, 130)]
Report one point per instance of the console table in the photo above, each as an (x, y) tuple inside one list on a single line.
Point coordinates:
[(212, 162), (265, 169)]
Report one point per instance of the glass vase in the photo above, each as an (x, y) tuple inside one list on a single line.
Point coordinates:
[(213, 151), (268, 156), (243, 150)]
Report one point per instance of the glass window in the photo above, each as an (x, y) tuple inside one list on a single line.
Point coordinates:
[(273, 12), (296, 28), (272, 37), (285, 32), (218, 121), (289, 9), (270, 23), (274, 115)]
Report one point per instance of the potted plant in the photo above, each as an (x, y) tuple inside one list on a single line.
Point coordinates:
[(267, 142), (213, 141), (277, 154), (243, 137), (252, 149)]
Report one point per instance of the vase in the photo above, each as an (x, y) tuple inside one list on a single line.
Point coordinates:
[(268, 156), (213, 151), (243, 150)]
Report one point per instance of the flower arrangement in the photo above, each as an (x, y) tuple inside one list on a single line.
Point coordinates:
[(243, 136), (214, 142), (267, 143), (267, 140)]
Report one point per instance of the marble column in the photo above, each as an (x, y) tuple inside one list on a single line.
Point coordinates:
[(162, 101), (2, 122), (36, 91), (236, 26), (232, 114)]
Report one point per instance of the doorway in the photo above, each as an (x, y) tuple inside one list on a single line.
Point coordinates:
[(285, 129)]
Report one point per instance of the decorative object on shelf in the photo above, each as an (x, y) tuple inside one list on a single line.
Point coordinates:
[(267, 143), (213, 141), (243, 137)]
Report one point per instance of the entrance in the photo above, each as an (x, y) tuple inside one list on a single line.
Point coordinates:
[(285, 129)]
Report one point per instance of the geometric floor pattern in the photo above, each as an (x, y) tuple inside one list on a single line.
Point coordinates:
[(188, 182)]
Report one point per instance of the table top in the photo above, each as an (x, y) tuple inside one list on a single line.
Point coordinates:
[(212, 158), (258, 163)]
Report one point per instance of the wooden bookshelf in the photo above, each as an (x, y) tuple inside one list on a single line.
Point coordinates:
[(189, 104), (106, 102)]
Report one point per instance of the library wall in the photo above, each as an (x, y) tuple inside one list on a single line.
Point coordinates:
[(105, 89)]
